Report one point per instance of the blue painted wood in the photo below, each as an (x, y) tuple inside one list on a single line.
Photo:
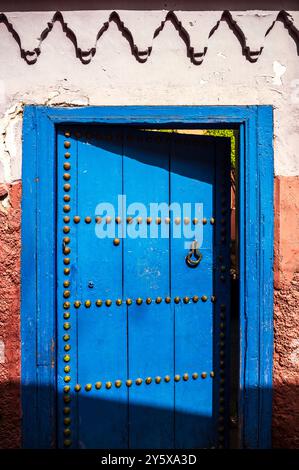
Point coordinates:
[(46, 224), (251, 268), (38, 298), (160, 115), (137, 341), (66, 316), (266, 181), (29, 282), (102, 342), (255, 206), (256, 278), (147, 275), (45, 292), (193, 181)]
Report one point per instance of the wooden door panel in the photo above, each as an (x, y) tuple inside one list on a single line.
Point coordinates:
[(144, 340)]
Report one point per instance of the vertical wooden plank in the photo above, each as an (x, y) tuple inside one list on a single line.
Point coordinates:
[(44, 288), (46, 270), (252, 294), (256, 278), (266, 185), (192, 181), (102, 344), (222, 289), (146, 276), (67, 287), (46, 409), (46, 225), (29, 281)]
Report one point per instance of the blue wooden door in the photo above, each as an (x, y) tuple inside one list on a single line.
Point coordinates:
[(141, 331)]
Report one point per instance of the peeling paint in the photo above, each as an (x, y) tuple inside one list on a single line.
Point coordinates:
[(279, 70), (10, 143)]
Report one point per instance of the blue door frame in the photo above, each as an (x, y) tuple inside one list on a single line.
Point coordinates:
[(38, 296)]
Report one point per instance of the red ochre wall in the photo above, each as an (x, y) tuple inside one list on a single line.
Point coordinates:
[(285, 425), (286, 314), (10, 247)]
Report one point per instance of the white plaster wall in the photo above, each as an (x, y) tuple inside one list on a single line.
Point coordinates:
[(168, 77)]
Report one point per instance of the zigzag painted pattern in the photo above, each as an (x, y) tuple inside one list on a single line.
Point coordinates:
[(85, 56)]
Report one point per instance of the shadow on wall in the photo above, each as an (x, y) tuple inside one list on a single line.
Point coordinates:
[(104, 422), (115, 16)]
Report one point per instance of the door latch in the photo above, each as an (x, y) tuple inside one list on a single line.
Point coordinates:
[(194, 256)]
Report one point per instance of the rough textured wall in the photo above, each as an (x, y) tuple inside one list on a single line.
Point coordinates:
[(286, 318), (10, 245), (156, 57)]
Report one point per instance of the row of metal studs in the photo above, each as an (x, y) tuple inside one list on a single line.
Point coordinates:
[(66, 315), (138, 220), (139, 301), (222, 374), (221, 418), (118, 383)]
